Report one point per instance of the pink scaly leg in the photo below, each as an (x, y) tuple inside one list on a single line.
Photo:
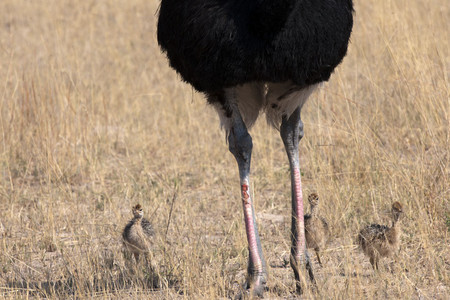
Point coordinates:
[(240, 145), (291, 131), (256, 267)]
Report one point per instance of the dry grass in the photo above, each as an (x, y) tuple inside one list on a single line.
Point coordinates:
[(93, 121)]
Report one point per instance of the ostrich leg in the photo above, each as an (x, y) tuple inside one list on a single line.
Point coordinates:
[(291, 131), (240, 145)]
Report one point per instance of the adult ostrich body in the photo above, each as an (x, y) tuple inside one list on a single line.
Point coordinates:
[(253, 56)]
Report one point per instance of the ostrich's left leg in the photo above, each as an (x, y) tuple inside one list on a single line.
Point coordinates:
[(241, 145), (291, 131)]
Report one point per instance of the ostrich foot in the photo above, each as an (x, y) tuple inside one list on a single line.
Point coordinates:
[(253, 288)]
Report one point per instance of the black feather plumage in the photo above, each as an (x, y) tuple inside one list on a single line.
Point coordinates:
[(214, 44)]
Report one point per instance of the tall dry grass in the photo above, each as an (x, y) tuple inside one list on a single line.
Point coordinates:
[(93, 121)]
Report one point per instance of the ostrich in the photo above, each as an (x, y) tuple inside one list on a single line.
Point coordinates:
[(316, 227), (253, 56), (137, 233), (378, 241)]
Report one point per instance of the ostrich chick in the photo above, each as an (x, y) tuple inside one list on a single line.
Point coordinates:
[(137, 233), (316, 227), (378, 241)]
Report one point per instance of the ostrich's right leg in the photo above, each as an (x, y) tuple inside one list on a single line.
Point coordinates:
[(291, 131), (240, 145), (318, 256), (285, 101)]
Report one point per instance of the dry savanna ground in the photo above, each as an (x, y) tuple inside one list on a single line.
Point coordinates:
[(93, 121)]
